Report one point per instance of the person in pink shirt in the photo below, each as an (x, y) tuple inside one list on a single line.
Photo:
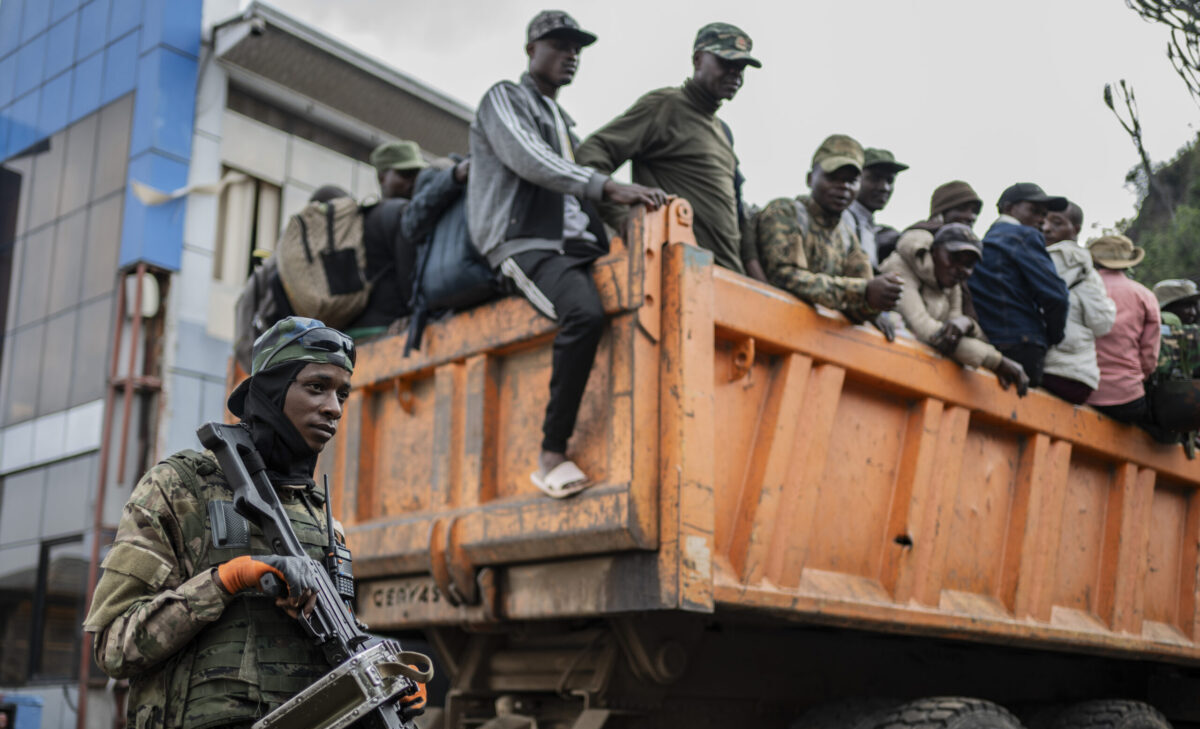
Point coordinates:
[(1128, 354)]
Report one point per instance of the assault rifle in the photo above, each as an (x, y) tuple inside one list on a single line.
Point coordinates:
[(370, 675)]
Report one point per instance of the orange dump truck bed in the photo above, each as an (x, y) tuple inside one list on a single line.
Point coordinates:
[(756, 455)]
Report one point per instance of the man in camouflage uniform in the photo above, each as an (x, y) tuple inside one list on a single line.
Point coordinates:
[(1179, 351), (177, 610), (807, 248)]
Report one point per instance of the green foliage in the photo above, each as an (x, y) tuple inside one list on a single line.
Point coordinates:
[(1172, 252), (1172, 242)]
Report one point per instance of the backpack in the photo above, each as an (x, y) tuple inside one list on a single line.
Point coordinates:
[(261, 304), (451, 275), (321, 260)]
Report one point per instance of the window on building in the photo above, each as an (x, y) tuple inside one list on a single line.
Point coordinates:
[(42, 598), (62, 577), (60, 232), (247, 221)]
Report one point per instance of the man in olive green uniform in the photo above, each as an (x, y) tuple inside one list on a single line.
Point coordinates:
[(177, 610), (677, 143), (808, 249)]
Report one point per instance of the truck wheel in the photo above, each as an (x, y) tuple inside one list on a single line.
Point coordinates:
[(1109, 714), (847, 714), (949, 712)]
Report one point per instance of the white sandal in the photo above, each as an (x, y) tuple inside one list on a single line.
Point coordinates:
[(562, 481)]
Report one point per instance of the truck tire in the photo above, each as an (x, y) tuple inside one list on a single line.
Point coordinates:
[(846, 714), (1107, 714), (949, 712)]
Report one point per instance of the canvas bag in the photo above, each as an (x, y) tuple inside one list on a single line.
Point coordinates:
[(321, 260)]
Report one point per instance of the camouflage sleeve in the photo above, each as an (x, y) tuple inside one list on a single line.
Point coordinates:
[(781, 245), (148, 605)]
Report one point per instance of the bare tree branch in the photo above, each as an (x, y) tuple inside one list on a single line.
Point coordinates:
[(1133, 127), (1183, 49)]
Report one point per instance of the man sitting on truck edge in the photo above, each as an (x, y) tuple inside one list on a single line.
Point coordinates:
[(934, 269), (177, 610), (1179, 350), (808, 249), (1128, 354), (530, 210), (1019, 298), (1071, 371), (951, 202), (678, 143), (878, 182)]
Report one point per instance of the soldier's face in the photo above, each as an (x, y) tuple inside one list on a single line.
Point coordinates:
[(718, 76), (952, 267), (1028, 212), (397, 184), (876, 189), (1187, 311), (967, 214), (314, 402), (553, 61), (834, 191), (1056, 227)]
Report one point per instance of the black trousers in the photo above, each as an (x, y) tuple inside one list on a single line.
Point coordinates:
[(1139, 412), (1030, 356), (560, 286)]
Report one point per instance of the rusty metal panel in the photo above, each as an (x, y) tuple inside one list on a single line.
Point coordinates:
[(433, 470), (879, 486)]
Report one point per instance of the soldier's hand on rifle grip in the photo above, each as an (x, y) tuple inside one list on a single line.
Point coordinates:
[(414, 703), (249, 573)]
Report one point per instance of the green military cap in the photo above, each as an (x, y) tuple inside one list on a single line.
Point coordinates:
[(402, 156), (1174, 290), (837, 151), (726, 41), (875, 157), (295, 339)]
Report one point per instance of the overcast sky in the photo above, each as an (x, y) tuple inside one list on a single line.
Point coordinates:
[(989, 92)]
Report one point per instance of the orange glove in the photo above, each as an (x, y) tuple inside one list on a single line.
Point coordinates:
[(243, 573), (414, 703)]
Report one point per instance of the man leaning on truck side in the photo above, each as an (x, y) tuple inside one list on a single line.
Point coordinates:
[(530, 210), (808, 249), (678, 143), (1020, 301)]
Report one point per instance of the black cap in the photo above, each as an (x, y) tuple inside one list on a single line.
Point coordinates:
[(1023, 191), (557, 24), (958, 237)]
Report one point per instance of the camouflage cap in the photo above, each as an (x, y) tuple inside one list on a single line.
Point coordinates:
[(726, 41), (557, 24), (1174, 290), (402, 155), (875, 157), (837, 151), (295, 339)]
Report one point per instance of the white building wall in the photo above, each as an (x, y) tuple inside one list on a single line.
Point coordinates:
[(200, 327)]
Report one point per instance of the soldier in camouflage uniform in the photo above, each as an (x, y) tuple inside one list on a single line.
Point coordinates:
[(177, 610), (1179, 351), (809, 250)]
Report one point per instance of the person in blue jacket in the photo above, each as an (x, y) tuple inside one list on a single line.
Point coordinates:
[(1020, 301)]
